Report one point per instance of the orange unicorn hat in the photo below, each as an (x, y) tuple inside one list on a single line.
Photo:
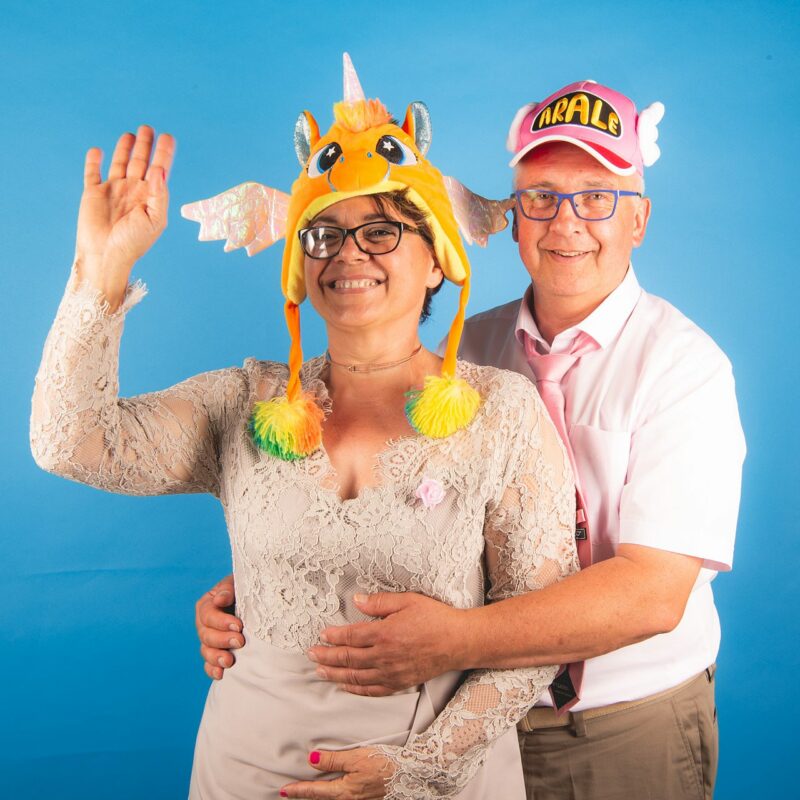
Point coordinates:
[(364, 152)]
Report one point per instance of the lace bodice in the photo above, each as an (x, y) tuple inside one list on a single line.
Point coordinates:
[(504, 525)]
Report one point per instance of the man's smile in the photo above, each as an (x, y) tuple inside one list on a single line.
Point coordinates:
[(566, 255)]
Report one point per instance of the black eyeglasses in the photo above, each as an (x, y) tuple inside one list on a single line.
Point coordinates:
[(592, 205), (373, 238)]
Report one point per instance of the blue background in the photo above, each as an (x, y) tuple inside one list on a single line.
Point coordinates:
[(103, 685)]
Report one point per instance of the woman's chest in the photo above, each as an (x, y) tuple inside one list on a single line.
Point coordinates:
[(423, 509)]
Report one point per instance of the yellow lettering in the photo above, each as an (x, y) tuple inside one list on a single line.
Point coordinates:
[(544, 117), (596, 121), (579, 103), (613, 124), (558, 110)]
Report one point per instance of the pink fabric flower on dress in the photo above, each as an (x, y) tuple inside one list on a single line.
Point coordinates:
[(431, 492)]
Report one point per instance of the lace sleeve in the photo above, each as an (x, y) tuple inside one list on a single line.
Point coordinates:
[(159, 443), (529, 535)]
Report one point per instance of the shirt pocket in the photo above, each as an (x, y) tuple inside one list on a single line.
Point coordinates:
[(601, 458)]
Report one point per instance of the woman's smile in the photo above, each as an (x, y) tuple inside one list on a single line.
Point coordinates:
[(356, 284)]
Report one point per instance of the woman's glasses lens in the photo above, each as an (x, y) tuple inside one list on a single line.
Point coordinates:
[(374, 238), (323, 242)]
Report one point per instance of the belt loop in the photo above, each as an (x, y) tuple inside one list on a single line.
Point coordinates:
[(525, 724), (578, 723)]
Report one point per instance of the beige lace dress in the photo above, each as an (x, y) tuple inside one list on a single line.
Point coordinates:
[(503, 526)]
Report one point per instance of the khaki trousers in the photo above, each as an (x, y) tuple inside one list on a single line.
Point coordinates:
[(660, 749)]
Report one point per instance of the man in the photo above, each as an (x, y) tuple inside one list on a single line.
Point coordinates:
[(646, 401)]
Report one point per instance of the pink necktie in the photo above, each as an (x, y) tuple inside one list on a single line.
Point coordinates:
[(550, 370)]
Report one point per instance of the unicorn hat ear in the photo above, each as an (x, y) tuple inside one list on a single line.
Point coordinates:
[(306, 135), (417, 125)]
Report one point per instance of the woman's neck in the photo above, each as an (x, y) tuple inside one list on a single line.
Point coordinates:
[(384, 364)]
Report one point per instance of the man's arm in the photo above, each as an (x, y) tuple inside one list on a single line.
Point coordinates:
[(626, 599), (623, 600)]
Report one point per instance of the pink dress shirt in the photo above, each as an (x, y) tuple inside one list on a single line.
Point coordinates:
[(654, 424)]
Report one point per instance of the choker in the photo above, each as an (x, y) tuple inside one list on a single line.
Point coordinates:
[(371, 367)]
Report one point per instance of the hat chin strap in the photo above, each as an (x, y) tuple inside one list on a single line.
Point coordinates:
[(456, 329), (292, 313), (445, 403), (289, 427)]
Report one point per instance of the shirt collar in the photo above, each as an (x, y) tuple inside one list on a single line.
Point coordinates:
[(603, 324)]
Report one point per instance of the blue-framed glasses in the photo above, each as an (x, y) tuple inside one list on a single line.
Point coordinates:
[(592, 204)]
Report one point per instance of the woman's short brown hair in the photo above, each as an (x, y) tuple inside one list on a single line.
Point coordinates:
[(400, 203)]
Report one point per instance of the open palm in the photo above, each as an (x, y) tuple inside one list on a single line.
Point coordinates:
[(120, 218)]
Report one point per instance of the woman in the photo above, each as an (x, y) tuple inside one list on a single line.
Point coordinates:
[(318, 510)]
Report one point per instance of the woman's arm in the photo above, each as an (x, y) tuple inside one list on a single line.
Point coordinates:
[(153, 444), (529, 532), (159, 443)]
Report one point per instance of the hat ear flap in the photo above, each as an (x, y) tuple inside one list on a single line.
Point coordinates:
[(417, 125), (306, 135)]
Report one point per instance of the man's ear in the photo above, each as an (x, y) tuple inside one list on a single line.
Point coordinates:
[(641, 218), (514, 227)]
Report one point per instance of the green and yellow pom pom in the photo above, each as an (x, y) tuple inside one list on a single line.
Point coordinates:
[(288, 429), (442, 406)]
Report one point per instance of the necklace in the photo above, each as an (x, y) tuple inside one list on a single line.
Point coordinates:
[(371, 367)]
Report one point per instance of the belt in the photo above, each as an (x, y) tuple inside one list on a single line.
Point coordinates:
[(541, 717)]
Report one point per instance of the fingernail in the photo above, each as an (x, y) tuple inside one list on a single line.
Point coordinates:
[(323, 637), (321, 673), (314, 757), (283, 794), (360, 598), (221, 662), (234, 643), (311, 656), (233, 627)]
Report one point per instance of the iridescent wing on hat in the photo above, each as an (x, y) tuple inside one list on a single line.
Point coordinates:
[(249, 215), (477, 217)]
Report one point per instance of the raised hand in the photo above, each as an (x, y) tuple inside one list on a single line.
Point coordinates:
[(120, 218)]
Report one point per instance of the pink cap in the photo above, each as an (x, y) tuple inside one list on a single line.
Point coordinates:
[(595, 118)]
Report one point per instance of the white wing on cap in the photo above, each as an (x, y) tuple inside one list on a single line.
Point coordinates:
[(647, 131)]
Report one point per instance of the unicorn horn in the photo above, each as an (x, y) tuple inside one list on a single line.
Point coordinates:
[(352, 86)]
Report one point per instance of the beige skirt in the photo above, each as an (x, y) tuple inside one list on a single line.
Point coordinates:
[(270, 711)]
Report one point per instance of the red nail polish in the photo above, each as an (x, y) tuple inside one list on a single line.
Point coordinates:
[(283, 794), (314, 757)]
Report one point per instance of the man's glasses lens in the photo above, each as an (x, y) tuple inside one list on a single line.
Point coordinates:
[(374, 238), (587, 205)]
